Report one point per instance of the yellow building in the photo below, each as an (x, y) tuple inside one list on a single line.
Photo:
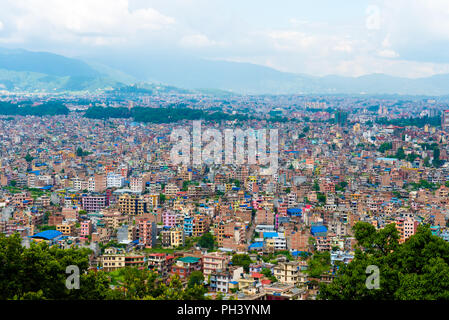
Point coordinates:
[(131, 205), (112, 260), (67, 229), (289, 272), (172, 238)]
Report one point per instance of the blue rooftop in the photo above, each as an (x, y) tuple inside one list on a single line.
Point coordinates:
[(255, 245), (294, 211), (298, 253), (270, 234), (47, 234), (318, 229)]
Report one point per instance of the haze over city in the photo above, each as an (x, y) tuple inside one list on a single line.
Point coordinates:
[(350, 38)]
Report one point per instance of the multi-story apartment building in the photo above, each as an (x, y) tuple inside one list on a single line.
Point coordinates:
[(67, 229), (114, 259), (185, 266), (86, 228), (172, 238), (214, 261), (188, 225), (200, 225), (137, 184), (132, 205), (114, 180), (171, 190), (298, 240), (152, 200), (161, 263), (222, 281), (169, 219), (275, 241), (100, 182), (147, 232), (94, 203), (406, 227), (289, 272)]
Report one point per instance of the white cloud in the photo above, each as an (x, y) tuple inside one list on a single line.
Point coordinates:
[(387, 53), (343, 46), (387, 38), (291, 40), (197, 41), (101, 21), (411, 24)]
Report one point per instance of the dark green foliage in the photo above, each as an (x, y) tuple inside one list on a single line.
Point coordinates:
[(47, 109), (415, 270), (206, 241), (39, 270), (196, 278), (159, 115), (267, 273), (242, 260), (423, 184), (400, 154), (81, 153), (321, 197), (28, 158), (316, 186), (40, 273), (319, 264), (417, 122), (385, 146), (341, 186), (411, 157)]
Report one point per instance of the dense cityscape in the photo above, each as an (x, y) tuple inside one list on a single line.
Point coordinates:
[(83, 179), (217, 159)]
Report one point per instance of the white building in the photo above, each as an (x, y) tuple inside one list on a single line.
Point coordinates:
[(115, 180), (136, 184)]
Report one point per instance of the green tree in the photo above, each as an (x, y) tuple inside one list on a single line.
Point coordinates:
[(242, 260), (79, 152), (414, 270), (28, 158), (40, 271), (319, 264), (385, 147), (140, 283), (321, 197), (207, 241), (267, 273), (411, 157), (196, 277), (400, 154), (316, 186)]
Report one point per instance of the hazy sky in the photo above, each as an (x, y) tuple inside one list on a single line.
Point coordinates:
[(350, 37)]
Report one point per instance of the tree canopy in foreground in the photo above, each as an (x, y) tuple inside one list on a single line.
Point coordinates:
[(39, 272), (417, 269)]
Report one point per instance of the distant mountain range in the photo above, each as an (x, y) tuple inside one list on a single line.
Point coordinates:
[(22, 70)]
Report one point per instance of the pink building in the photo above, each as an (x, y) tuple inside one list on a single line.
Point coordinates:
[(147, 233), (86, 228), (406, 227), (169, 219)]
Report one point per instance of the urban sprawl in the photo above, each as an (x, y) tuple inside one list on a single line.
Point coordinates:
[(85, 177)]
